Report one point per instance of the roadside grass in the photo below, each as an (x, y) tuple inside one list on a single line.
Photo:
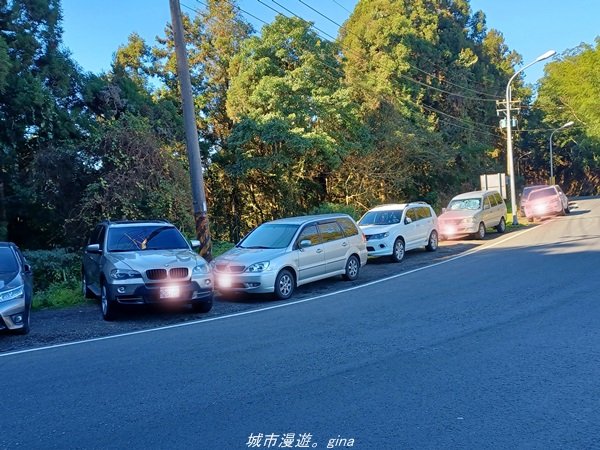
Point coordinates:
[(522, 222), (58, 295)]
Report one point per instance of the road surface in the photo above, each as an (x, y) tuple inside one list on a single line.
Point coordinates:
[(499, 348)]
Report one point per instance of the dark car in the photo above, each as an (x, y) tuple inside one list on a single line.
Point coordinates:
[(144, 262), (16, 289)]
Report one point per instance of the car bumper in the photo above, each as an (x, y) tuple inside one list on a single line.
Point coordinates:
[(10, 311), (259, 283), (450, 230), (543, 211), (162, 293), (380, 247)]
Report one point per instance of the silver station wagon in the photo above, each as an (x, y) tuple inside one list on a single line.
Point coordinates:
[(278, 256)]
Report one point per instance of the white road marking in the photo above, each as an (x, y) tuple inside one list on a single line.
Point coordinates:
[(267, 308)]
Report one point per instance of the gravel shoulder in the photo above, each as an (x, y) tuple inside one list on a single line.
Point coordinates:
[(81, 322)]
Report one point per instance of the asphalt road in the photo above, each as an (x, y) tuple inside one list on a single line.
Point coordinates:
[(499, 348)]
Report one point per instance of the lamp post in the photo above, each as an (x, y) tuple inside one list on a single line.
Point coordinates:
[(566, 125), (509, 148)]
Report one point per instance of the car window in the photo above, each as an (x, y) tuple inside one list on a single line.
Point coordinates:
[(541, 193), (499, 199), (472, 204), (8, 262), (412, 214), (349, 227), (145, 237), (330, 231), (311, 233), (423, 212), (381, 217), (270, 235), (493, 200), (487, 203)]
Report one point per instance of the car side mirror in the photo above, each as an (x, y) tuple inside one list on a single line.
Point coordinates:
[(305, 243), (94, 249), (27, 268), (195, 243), (408, 220), (444, 210)]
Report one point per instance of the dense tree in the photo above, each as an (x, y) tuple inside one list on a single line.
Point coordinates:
[(419, 69), (293, 120), (570, 91)]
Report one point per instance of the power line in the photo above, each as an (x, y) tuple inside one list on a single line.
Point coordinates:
[(475, 91), (342, 6), (341, 74)]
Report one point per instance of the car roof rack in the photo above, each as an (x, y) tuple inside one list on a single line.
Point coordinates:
[(122, 221)]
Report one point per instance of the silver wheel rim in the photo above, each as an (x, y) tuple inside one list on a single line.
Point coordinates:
[(481, 231), (83, 286), (399, 250), (433, 240), (352, 269), (104, 301), (285, 285), (502, 225)]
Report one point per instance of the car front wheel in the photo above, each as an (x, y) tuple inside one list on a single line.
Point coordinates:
[(480, 231), (107, 305), (284, 285), (398, 250), (432, 244), (202, 307), (352, 268), (26, 323)]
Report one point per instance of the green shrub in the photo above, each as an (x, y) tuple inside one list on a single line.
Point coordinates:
[(53, 266), (327, 208), (58, 295), (220, 247)]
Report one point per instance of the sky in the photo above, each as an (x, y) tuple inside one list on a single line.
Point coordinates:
[(94, 29)]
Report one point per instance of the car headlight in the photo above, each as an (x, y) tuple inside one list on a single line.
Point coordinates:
[(201, 269), (258, 267), (380, 235), (12, 294), (469, 220), (124, 274)]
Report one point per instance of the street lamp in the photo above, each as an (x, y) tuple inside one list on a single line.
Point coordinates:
[(509, 149), (566, 125)]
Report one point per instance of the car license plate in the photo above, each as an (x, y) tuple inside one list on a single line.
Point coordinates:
[(169, 292)]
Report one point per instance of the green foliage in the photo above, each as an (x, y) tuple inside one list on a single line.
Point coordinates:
[(569, 91), (53, 266), (58, 295), (327, 208), (220, 247)]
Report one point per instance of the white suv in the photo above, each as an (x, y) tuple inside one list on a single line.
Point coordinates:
[(393, 229)]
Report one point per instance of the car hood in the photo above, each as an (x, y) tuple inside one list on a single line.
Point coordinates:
[(374, 229), (247, 256), (8, 280), (152, 259), (462, 214)]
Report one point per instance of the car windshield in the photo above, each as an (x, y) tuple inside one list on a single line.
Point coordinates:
[(528, 189), (139, 238), (270, 235), (541, 193), (8, 262), (472, 204), (381, 217)]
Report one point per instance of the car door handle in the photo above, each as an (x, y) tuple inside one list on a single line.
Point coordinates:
[(344, 244), (319, 250)]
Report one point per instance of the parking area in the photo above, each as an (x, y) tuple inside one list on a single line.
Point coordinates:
[(81, 322)]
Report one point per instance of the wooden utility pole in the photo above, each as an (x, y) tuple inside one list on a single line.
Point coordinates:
[(191, 133)]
